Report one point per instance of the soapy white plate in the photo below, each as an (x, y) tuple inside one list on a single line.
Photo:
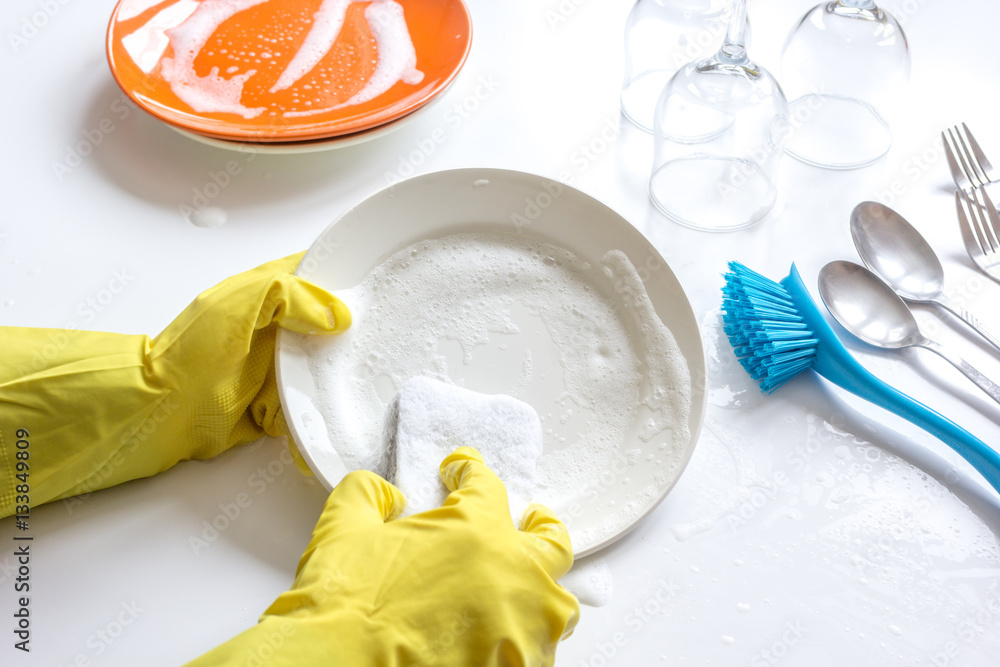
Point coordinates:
[(492, 201)]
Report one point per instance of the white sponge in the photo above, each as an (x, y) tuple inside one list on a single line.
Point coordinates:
[(428, 419)]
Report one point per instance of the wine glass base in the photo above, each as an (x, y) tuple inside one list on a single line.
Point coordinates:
[(836, 132), (711, 193), (638, 99)]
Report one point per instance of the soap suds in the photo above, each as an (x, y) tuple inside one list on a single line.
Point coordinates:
[(601, 368), (211, 93), (187, 27), (147, 44), (327, 22), (427, 420)]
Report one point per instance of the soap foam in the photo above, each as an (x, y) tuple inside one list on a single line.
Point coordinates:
[(187, 27), (397, 59), (211, 93), (147, 43), (457, 297), (327, 22), (427, 420)]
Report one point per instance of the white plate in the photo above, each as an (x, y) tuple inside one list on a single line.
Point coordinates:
[(310, 145), (484, 200)]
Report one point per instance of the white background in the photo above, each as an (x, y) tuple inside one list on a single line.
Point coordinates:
[(809, 528)]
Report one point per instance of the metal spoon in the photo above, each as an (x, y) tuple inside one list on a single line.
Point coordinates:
[(891, 247), (867, 307)]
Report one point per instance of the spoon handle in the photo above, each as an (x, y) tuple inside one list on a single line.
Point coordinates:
[(991, 388), (961, 313), (836, 364)]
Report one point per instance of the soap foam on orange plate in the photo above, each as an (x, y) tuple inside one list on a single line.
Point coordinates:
[(285, 70)]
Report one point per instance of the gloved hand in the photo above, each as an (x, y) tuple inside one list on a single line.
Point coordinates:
[(99, 409), (456, 585)]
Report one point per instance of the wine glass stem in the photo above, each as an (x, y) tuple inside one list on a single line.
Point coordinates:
[(734, 48)]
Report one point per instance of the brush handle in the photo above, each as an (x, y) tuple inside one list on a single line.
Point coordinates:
[(836, 364), (855, 379)]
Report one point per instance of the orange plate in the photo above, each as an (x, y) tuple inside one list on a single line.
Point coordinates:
[(215, 67)]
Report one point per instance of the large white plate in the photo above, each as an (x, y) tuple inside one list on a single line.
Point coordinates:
[(489, 200)]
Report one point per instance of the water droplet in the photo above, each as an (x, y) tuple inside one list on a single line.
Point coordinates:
[(210, 216), (728, 640)]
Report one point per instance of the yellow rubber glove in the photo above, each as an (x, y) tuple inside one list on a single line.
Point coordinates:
[(457, 585), (96, 409)]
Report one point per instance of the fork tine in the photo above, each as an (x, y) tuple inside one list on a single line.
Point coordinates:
[(984, 164), (979, 221), (972, 170), (957, 175), (993, 218), (970, 232)]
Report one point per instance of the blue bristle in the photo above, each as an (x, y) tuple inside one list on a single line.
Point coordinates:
[(762, 323)]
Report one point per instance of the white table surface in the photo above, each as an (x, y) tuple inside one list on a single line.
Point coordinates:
[(809, 528)]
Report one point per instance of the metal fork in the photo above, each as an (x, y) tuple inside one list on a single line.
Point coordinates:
[(969, 167), (980, 225)]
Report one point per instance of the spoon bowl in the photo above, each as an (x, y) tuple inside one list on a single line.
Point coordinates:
[(894, 249), (867, 307)]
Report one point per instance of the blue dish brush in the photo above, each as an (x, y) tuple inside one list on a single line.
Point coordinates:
[(778, 332)]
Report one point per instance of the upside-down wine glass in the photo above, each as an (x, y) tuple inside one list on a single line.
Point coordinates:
[(719, 131), (842, 66), (661, 36)]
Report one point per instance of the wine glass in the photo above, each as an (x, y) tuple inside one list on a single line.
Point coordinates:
[(719, 131), (661, 36), (841, 66)]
